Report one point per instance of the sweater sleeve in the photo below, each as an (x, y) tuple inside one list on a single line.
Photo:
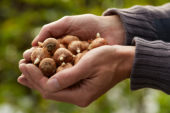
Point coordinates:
[(151, 23), (151, 68)]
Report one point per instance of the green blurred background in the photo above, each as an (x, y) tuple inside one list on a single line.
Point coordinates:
[(20, 22)]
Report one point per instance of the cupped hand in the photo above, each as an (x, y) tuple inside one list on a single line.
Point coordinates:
[(98, 71), (85, 27)]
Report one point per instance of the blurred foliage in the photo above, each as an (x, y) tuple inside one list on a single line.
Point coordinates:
[(20, 22)]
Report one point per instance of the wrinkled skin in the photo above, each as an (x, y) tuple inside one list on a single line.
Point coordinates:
[(85, 27), (88, 77)]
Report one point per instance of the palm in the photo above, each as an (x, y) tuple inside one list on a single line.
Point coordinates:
[(92, 75)]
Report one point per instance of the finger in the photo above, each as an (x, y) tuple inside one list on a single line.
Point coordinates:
[(22, 80), (22, 61), (36, 75), (25, 71), (54, 29), (64, 79), (27, 54)]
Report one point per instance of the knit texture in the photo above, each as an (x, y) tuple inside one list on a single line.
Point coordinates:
[(151, 67), (144, 21)]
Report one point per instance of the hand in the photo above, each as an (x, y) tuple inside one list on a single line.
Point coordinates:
[(87, 80), (85, 27)]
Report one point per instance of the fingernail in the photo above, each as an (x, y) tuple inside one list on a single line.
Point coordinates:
[(27, 51), (20, 78), (53, 84), (23, 69), (21, 61), (27, 54), (34, 42)]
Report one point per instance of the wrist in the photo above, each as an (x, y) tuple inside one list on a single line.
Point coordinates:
[(114, 25), (125, 56), (130, 59)]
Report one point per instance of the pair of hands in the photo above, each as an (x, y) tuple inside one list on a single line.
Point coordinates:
[(98, 71)]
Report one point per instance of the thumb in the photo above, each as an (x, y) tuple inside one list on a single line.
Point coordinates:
[(54, 29), (64, 79)]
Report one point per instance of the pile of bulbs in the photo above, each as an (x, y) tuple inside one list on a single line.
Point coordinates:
[(54, 55)]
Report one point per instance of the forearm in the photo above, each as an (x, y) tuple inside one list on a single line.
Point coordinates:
[(151, 68), (150, 23)]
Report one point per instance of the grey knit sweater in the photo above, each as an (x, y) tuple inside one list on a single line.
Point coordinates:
[(148, 28)]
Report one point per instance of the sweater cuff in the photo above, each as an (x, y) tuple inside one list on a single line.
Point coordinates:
[(151, 67), (137, 21)]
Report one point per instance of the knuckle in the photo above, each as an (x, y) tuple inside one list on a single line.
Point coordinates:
[(66, 18), (116, 48), (45, 27), (89, 14)]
